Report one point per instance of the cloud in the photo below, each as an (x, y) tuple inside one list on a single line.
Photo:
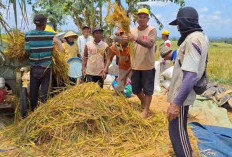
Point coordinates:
[(203, 10), (217, 13), (154, 3)]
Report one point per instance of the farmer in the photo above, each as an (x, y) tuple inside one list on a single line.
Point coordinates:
[(165, 37), (189, 68), (69, 46), (143, 59), (83, 39), (165, 64), (39, 45), (122, 50), (167, 53), (94, 58)]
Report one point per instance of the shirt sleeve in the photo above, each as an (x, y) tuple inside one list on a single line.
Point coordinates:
[(192, 56), (27, 45)]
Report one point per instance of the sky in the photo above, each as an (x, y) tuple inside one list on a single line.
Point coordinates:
[(215, 17)]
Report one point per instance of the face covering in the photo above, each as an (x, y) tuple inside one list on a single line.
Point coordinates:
[(187, 26), (70, 43)]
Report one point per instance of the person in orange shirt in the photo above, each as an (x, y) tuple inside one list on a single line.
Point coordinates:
[(122, 51)]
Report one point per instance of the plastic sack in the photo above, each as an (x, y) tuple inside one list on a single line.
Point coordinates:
[(164, 64), (166, 84), (167, 74), (157, 77), (113, 69), (109, 79)]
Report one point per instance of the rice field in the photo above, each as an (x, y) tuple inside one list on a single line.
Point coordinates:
[(219, 66)]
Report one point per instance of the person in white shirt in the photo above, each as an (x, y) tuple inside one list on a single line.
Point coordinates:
[(83, 39), (165, 64), (165, 37)]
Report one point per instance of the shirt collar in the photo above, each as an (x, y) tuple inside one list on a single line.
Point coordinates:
[(98, 44)]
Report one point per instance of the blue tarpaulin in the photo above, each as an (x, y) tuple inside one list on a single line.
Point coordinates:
[(213, 141)]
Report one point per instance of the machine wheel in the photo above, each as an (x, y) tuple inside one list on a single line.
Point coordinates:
[(23, 102)]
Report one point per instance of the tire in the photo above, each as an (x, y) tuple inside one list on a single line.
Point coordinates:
[(23, 102)]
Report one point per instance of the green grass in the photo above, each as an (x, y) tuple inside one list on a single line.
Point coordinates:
[(220, 62)]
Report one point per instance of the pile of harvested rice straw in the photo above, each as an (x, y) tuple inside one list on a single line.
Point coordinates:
[(86, 120), (119, 18), (16, 46), (16, 50)]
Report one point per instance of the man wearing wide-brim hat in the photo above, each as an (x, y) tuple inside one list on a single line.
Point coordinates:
[(70, 46)]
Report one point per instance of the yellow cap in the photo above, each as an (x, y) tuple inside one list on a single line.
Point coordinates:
[(143, 11), (49, 29), (70, 34), (165, 32)]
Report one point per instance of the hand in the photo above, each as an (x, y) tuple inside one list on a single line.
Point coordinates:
[(124, 39), (132, 37), (56, 40), (83, 72), (103, 73), (173, 112), (125, 78), (167, 90)]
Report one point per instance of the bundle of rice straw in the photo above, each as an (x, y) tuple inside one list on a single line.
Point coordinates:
[(86, 120), (119, 18), (16, 46), (60, 66)]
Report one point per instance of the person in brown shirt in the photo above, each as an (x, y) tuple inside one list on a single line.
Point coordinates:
[(142, 61)]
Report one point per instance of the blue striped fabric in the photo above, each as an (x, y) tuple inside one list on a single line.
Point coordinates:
[(39, 44)]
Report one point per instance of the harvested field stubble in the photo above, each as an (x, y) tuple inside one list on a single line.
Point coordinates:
[(87, 120)]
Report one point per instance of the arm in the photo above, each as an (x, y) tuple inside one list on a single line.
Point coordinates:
[(27, 45), (189, 80), (78, 52), (79, 44), (190, 67), (149, 43), (109, 59), (85, 59), (58, 43)]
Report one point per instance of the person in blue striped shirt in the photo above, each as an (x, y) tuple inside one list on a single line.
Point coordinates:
[(39, 45)]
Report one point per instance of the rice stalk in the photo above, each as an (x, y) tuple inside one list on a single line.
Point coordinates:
[(16, 46), (118, 18)]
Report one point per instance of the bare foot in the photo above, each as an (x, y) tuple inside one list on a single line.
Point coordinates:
[(144, 114)]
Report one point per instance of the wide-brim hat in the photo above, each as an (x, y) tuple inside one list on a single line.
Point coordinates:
[(70, 34)]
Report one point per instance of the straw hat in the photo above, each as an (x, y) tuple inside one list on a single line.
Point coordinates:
[(70, 34), (164, 50)]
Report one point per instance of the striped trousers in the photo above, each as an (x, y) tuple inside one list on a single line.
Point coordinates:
[(179, 135)]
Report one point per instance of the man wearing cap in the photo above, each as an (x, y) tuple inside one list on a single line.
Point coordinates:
[(165, 64), (143, 59), (165, 37), (94, 58), (39, 45), (189, 68), (83, 39), (70, 47)]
